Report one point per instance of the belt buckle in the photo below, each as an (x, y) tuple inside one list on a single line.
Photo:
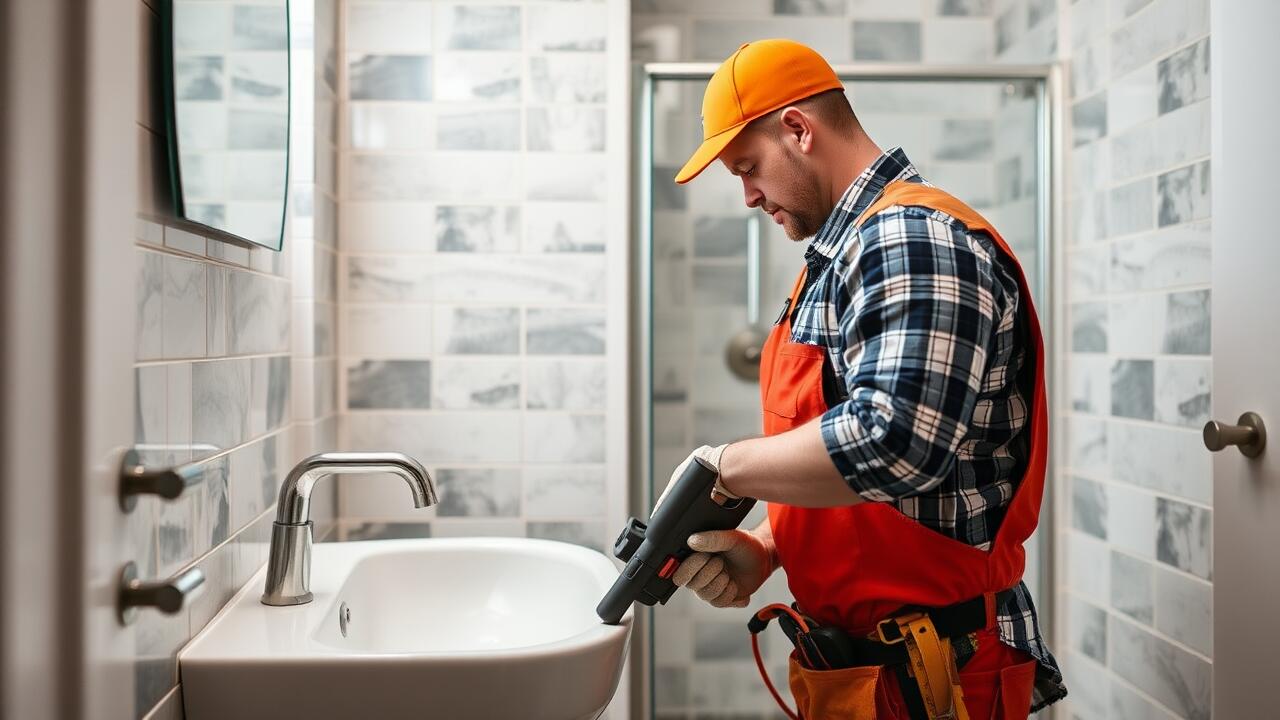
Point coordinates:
[(896, 624)]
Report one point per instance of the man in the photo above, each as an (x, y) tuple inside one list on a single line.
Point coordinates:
[(905, 424)]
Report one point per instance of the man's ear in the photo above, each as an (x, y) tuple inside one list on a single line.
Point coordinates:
[(797, 126)]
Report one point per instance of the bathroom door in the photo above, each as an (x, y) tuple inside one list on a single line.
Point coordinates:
[(1246, 343)]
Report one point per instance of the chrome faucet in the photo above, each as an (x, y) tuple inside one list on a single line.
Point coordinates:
[(289, 566)]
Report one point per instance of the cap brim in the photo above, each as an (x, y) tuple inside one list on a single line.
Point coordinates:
[(707, 152)]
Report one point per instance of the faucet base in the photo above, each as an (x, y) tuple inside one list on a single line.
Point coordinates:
[(290, 549)]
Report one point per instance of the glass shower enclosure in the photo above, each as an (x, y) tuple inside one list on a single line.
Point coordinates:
[(711, 277)]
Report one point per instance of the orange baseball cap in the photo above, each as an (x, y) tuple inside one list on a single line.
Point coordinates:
[(757, 79)]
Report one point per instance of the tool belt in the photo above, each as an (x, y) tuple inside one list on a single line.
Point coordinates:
[(917, 644)]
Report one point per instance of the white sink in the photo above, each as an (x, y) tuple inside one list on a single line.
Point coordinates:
[(445, 628)]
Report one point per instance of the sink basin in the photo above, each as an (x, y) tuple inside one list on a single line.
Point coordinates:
[(441, 628)]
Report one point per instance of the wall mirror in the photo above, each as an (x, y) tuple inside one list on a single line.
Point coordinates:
[(226, 65)]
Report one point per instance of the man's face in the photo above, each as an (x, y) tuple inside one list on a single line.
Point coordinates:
[(778, 179)]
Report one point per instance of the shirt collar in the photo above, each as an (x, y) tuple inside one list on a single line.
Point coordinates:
[(892, 165)]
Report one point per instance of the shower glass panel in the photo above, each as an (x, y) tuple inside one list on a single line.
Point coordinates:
[(714, 270)]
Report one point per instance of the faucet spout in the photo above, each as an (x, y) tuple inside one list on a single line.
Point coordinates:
[(289, 564)]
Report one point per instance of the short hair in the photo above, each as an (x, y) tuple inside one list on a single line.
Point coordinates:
[(830, 107)]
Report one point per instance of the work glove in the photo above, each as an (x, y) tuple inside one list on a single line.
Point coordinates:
[(710, 455), (727, 566)]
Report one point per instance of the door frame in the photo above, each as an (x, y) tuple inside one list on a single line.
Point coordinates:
[(1050, 188)]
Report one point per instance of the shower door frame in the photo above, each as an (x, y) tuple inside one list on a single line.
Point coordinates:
[(1050, 190)]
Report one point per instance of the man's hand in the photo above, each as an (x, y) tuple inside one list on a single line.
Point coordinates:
[(726, 567), (707, 453)]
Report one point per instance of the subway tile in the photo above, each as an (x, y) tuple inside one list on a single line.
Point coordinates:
[(479, 492), (1184, 77), (567, 78), (185, 293), (1129, 704), (1184, 610), (1176, 323), (212, 507), (1169, 140), (579, 27), (1132, 587), (1185, 539), (1165, 25), (403, 227), (958, 40), (478, 130), (477, 331), (564, 492), (385, 530), (386, 330), (720, 284), (966, 139), (1167, 673), (1090, 378), (808, 7), (467, 278), (216, 318), (1188, 316), (220, 403), (149, 412), (1133, 389), (479, 77), (478, 228), (439, 438), (1131, 208), (715, 39), (388, 27), (389, 279), (259, 310), (979, 8), (586, 534), (175, 533), (886, 40), (1089, 119), (1087, 272), (1089, 507), (568, 331), (720, 237), (1039, 11), (1087, 443), (1163, 459), (1132, 99), (390, 126), (389, 77), (244, 485), (566, 177), (565, 227), (1184, 194), (219, 586), (1131, 520), (259, 28), (1088, 629), (178, 412), (713, 426), (566, 129), (229, 253), (565, 384), (1089, 327), (389, 384), (1087, 217), (1087, 683), (157, 638), (465, 384), (485, 27), (381, 496), (1182, 391), (1123, 9), (460, 178), (1171, 257), (1088, 563), (564, 438), (269, 394), (478, 527)]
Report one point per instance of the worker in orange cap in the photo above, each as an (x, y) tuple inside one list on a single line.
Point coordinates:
[(906, 427)]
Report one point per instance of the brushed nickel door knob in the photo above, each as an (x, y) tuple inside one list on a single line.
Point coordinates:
[(1249, 435)]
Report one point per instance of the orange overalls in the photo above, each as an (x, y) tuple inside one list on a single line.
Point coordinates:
[(854, 566)]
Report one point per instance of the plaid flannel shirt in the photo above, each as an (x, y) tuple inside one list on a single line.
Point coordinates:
[(918, 316)]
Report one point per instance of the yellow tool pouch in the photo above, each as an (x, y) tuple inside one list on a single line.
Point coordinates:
[(932, 664)]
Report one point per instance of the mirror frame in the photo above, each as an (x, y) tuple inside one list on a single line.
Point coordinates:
[(168, 79)]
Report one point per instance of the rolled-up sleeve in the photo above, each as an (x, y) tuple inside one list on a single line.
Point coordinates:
[(913, 299)]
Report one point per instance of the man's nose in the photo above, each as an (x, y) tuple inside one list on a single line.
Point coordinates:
[(752, 196)]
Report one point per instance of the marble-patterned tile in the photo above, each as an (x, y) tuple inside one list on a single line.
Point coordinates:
[(389, 384), (564, 492), (1088, 563), (566, 129), (389, 279), (178, 412), (561, 26), (965, 139), (587, 534), (1089, 327), (1089, 119), (1132, 99), (1171, 257), (1184, 194), (474, 130), (385, 530), (1138, 324), (1170, 140), (388, 27), (1132, 587), (477, 331), (479, 76), (720, 237), (216, 318), (478, 228), (1090, 379), (1164, 459), (1166, 25), (1185, 538), (1129, 704), (261, 27), (1087, 445), (464, 278), (713, 426), (149, 320), (564, 438), (1087, 270), (565, 384), (1087, 680), (720, 284), (386, 330), (808, 7), (439, 438), (185, 292), (212, 510), (465, 384), (1088, 629), (566, 177), (1164, 671), (1187, 329), (958, 40), (392, 227), (1184, 610), (268, 394), (1133, 389), (1011, 180), (1131, 208), (483, 27), (716, 38), (979, 8), (229, 253), (394, 177), (175, 530), (389, 77), (887, 41), (390, 126), (244, 485), (1123, 9), (259, 313), (1182, 394), (567, 78), (478, 527), (220, 403), (479, 492), (1131, 518), (568, 331), (258, 77), (157, 639), (1184, 76), (219, 587), (565, 227), (1089, 507)]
